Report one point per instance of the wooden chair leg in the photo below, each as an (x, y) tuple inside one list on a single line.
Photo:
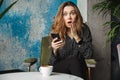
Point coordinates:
[(89, 73), (29, 62), (28, 68)]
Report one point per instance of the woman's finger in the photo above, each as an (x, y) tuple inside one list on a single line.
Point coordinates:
[(54, 39)]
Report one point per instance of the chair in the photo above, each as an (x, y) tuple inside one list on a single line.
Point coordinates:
[(45, 54), (45, 51), (118, 49), (91, 63), (29, 62)]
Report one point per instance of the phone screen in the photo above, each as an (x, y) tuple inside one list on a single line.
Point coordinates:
[(55, 35)]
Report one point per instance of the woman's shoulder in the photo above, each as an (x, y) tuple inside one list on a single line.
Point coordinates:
[(85, 30), (85, 26)]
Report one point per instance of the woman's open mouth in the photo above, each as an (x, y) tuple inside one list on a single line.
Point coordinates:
[(69, 22)]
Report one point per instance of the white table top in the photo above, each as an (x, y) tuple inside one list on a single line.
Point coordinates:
[(37, 76)]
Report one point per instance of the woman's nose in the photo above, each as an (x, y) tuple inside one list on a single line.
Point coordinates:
[(69, 16)]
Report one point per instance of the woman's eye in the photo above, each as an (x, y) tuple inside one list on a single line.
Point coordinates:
[(72, 13), (64, 14)]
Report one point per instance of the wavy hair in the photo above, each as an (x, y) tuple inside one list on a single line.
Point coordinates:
[(58, 25)]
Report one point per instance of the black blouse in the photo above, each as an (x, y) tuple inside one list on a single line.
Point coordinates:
[(74, 49)]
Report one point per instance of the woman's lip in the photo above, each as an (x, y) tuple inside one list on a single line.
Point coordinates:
[(69, 22)]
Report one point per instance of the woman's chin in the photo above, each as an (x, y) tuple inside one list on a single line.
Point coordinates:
[(68, 26)]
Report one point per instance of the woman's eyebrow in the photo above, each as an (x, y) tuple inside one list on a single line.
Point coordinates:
[(70, 11)]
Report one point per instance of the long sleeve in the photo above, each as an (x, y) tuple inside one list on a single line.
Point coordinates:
[(71, 48), (53, 59), (86, 44)]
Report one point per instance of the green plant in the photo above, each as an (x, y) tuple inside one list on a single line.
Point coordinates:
[(6, 10), (113, 7)]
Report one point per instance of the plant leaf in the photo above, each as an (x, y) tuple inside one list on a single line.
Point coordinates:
[(112, 33), (106, 7), (116, 12), (6, 10), (1, 1), (102, 6)]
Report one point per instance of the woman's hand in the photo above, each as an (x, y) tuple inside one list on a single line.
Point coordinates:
[(56, 44), (74, 33), (73, 30)]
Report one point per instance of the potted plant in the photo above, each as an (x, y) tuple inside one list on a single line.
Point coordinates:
[(113, 36), (113, 7)]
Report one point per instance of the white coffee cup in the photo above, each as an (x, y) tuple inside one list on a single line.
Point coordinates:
[(46, 70)]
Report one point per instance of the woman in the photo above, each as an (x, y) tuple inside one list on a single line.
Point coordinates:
[(75, 44)]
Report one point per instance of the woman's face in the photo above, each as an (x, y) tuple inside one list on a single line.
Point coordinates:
[(69, 16)]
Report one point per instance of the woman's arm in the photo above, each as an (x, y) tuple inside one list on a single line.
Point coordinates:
[(52, 58), (85, 46)]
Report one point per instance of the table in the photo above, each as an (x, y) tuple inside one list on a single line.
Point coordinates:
[(37, 76)]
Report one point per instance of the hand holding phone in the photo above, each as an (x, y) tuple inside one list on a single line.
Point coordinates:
[(55, 35)]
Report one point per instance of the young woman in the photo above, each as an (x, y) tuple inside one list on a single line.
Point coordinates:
[(75, 44)]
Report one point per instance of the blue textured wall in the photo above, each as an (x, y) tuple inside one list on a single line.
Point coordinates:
[(22, 28)]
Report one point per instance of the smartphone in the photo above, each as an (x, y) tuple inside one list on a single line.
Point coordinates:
[(55, 35)]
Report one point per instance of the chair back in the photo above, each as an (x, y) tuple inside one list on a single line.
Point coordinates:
[(118, 49), (45, 51)]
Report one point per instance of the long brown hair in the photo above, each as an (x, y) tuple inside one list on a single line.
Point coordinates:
[(58, 25)]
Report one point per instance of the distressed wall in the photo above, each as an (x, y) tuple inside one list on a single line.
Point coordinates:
[(22, 28), (102, 50)]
